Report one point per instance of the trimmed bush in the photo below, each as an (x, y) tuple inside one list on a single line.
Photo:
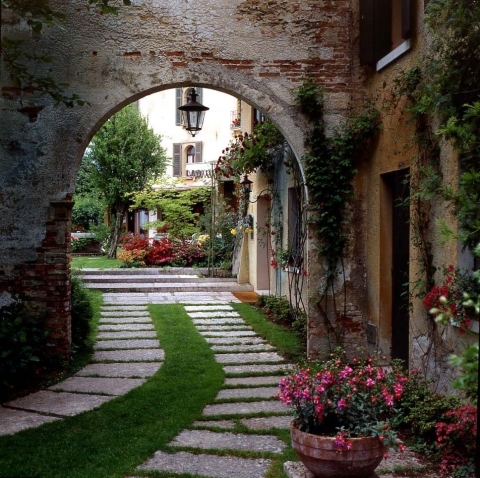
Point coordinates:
[(23, 343), (81, 313)]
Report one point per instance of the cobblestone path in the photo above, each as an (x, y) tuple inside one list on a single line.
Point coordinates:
[(126, 354)]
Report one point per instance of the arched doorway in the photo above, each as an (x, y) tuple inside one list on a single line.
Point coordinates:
[(147, 48)]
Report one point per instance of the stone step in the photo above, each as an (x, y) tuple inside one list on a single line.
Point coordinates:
[(208, 440), (245, 408), (212, 466), (235, 340), (126, 320), (232, 333), (224, 328), (216, 321), (122, 369), (264, 423), (236, 393), (140, 355), (242, 348), (214, 314), (59, 404), (198, 308), (123, 326), (101, 385), (14, 421), (254, 368), (197, 298), (126, 287), (248, 357), (113, 308), (127, 334), (253, 381), (125, 313), (126, 344), (171, 278)]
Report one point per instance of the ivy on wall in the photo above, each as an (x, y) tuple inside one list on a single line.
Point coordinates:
[(330, 166)]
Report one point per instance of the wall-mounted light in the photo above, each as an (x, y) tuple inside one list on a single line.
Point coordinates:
[(193, 113), (247, 189), (246, 186)]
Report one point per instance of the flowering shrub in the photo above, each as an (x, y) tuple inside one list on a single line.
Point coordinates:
[(450, 298), (347, 399), (186, 253), (160, 253), (248, 152), (139, 251), (133, 258), (456, 441), (131, 242)]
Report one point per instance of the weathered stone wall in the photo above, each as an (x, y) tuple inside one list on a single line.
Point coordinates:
[(254, 49)]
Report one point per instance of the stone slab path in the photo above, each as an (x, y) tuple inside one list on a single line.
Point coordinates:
[(250, 365), (122, 362), (128, 352)]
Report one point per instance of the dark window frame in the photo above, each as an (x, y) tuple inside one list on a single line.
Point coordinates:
[(376, 28)]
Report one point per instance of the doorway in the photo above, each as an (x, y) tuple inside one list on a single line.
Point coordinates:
[(398, 189)]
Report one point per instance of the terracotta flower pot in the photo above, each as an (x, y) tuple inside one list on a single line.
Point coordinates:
[(320, 455)]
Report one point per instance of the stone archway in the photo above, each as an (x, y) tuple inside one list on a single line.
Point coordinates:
[(254, 49)]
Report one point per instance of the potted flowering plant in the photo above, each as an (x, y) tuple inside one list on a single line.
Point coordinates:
[(342, 409)]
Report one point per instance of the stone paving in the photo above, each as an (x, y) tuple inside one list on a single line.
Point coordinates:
[(124, 359), (240, 353), (131, 360)]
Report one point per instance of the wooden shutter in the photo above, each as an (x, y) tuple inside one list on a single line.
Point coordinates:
[(177, 159), (367, 32), (178, 103), (383, 28), (198, 152), (406, 19)]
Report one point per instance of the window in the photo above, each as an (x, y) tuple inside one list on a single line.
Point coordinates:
[(185, 154), (385, 31), (295, 219), (190, 154)]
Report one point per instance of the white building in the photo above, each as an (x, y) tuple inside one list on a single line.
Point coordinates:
[(191, 157)]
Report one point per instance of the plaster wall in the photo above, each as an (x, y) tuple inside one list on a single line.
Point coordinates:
[(215, 135), (396, 149)]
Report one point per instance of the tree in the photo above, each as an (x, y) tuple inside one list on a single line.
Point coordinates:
[(179, 210), (123, 159)]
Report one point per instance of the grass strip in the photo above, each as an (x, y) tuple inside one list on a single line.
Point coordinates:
[(286, 342), (94, 262), (114, 439)]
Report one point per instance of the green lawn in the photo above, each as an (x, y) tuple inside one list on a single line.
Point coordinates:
[(112, 440), (94, 262)]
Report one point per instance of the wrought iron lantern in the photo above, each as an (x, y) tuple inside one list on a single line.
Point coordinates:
[(246, 186), (193, 113)]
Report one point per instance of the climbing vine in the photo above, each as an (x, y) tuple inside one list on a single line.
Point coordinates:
[(330, 166)]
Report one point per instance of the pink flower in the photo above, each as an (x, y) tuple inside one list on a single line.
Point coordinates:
[(370, 383), (345, 372), (388, 400)]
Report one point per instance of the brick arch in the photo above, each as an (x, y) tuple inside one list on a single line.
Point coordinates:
[(253, 49), (280, 110)]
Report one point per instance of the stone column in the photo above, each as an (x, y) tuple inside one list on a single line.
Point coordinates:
[(45, 282)]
